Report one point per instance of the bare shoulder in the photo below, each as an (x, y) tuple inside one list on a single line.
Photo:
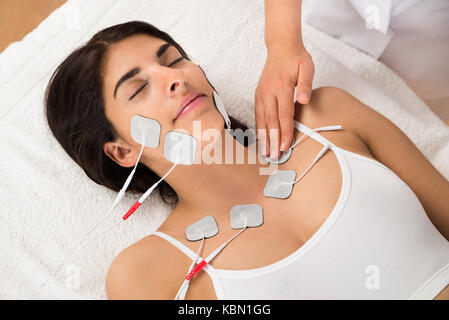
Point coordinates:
[(334, 106), (331, 105), (143, 271), (387, 143)]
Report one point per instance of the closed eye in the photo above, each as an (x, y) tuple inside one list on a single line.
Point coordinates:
[(144, 85)]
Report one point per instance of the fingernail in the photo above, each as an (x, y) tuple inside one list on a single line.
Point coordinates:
[(303, 96), (263, 150), (283, 146)]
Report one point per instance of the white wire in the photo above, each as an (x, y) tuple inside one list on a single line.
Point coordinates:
[(78, 243), (327, 128), (218, 250), (121, 193), (148, 192), (322, 151), (185, 285), (108, 229)]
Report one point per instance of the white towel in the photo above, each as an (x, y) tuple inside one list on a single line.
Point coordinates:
[(48, 201)]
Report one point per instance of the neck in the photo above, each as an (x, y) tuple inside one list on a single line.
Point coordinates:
[(224, 177)]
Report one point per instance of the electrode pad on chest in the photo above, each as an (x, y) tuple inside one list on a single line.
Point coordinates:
[(280, 184), (145, 131), (284, 156), (179, 147), (249, 215), (204, 228)]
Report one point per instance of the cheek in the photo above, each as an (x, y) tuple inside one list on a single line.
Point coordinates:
[(165, 125), (125, 130), (149, 106), (207, 119), (211, 133), (211, 125), (214, 120), (121, 123)]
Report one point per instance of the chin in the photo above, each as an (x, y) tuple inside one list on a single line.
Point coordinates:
[(208, 130), (204, 122)]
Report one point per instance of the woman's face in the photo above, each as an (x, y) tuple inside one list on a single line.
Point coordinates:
[(158, 83)]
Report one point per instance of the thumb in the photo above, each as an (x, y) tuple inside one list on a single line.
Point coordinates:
[(305, 78)]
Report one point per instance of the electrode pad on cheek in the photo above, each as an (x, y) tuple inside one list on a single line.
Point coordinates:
[(280, 184), (145, 131), (249, 215), (179, 147), (206, 227), (217, 101)]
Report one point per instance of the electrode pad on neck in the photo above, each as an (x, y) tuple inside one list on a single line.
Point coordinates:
[(280, 184), (220, 107), (150, 129), (284, 156), (237, 133), (179, 147), (246, 215), (204, 228)]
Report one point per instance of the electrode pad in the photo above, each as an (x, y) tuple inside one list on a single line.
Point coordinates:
[(220, 107), (280, 184), (250, 215), (206, 227), (148, 129), (283, 157), (179, 147)]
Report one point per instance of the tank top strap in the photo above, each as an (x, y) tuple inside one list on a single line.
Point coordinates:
[(313, 133), (186, 250)]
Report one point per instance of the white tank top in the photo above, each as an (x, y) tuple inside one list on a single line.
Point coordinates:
[(377, 243)]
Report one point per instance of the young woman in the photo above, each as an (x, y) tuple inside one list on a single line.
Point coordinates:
[(370, 220)]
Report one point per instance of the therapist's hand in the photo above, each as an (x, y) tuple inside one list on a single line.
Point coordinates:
[(287, 66)]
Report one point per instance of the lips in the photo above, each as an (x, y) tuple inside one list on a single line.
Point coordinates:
[(186, 101)]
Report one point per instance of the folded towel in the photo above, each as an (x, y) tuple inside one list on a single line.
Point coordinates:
[(48, 201)]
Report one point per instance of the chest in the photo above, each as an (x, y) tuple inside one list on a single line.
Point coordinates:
[(288, 223)]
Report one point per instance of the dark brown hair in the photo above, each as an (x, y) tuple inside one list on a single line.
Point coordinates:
[(74, 109)]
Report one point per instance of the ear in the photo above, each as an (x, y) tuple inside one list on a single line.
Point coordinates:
[(119, 154)]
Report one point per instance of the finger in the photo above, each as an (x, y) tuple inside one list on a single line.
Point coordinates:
[(261, 127), (286, 112), (305, 78), (272, 123), (262, 140)]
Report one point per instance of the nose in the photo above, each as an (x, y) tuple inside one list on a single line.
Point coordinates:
[(172, 80)]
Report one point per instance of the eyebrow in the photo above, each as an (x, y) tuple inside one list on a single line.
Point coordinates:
[(162, 49)]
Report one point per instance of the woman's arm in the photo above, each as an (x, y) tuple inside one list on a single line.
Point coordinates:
[(390, 146)]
